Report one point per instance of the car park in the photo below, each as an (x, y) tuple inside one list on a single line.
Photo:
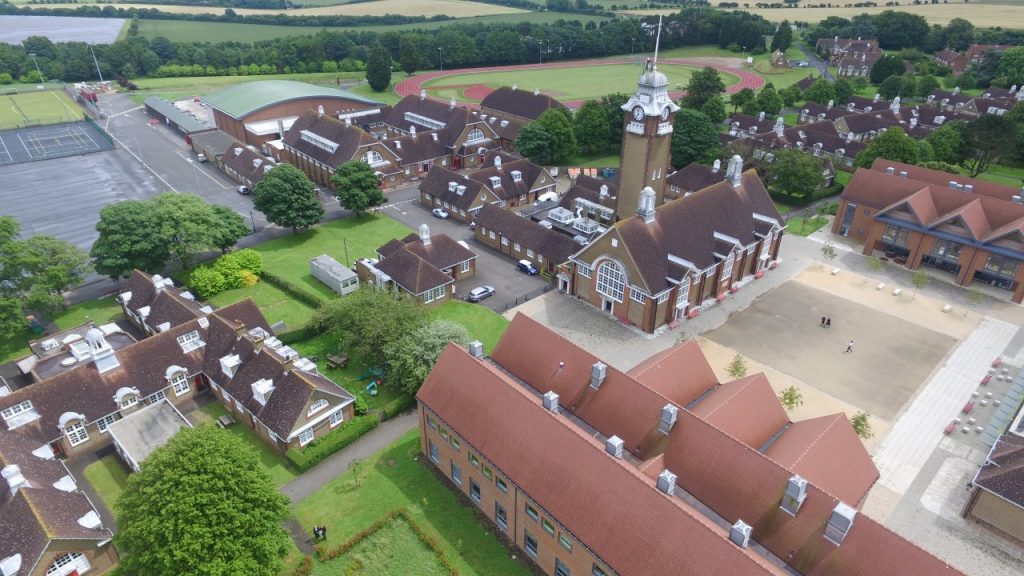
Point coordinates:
[(439, 212), (527, 267), (480, 293)]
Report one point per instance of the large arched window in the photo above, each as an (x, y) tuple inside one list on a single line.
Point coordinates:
[(373, 158), (611, 280), (67, 563), (475, 135)]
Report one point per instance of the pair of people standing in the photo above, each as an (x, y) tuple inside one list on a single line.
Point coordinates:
[(320, 532)]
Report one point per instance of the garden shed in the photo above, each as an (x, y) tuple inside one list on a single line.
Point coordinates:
[(331, 272)]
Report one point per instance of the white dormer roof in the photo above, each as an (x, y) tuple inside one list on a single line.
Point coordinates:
[(9, 566), (124, 392), (66, 484), (69, 417), (91, 520)]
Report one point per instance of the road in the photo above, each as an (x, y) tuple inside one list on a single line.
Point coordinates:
[(817, 63)]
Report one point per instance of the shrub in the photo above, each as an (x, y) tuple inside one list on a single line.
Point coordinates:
[(6, 78), (248, 259), (229, 271), (292, 290), (206, 282), (398, 405), (248, 279), (298, 335), (321, 448), (360, 406), (234, 270), (305, 568)]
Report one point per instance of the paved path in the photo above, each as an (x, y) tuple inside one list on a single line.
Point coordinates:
[(918, 431), (748, 79), (367, 446)]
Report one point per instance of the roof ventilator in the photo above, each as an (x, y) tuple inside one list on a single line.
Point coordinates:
[(796, 492), (740, 534), (613, 446), (667, 482), (839, 523), (551, 401), (669, 415), (598, 372)]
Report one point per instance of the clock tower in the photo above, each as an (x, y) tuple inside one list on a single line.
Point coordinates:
[(646, 141)]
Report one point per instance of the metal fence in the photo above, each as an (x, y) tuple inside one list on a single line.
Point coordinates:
[(528, 296)]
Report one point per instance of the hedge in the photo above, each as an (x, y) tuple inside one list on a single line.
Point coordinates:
[(320, 449), (298, 335), (292, 290), (429, 540), (398, 405), (305, 568)]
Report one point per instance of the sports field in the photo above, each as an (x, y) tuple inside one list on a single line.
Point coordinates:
[(580, 83), (454, 8), (34, 108)]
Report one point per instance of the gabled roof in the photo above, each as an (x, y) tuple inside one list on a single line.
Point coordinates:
[(832, 114), (555, 247), (438, 183), (828, 453), (680, 373), (349, 140), (1003, 472), (868, 122), (509, 187), (248, 97), (744, 122), (246, 163), (412, 273), (695, 176), (419, 147), (521, 103), (746, 409), (442, 253)]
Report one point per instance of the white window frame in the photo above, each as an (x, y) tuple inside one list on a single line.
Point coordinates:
[(491, 234), (129, 401), (76, 433), (611, 280), (456, 471), (67, 563), (637, 296), (504, 240), (475, 135), (156, 397), (180, 383), (464, 267), (104, 423), (373, 158), (306, 436), (17, 409), (434, 454), (727, 267), (316, 407), (530, 253), (584, 270), (337, 418)]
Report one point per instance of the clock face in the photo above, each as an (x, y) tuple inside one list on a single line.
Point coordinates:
[(638, 113), (664, 113)]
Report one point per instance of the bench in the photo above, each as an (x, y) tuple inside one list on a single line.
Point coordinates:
[(225, 421), (334, 361), (897, 292), (946, 309)]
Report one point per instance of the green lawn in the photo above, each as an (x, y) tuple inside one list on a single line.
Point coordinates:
[(1005, 175), (346, 377), (101, 311), (108, 477), (598, 160), (184, 87), (394, 549), (395, 478), (388, 96), (482, 323), (275, 304), (577, 83), (791, 119), (843, 177), (275, 464), (805, 226)]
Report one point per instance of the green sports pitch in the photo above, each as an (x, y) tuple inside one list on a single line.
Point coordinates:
[(36, 108), (565, 83)]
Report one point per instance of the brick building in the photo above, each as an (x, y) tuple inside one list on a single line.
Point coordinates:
[(971, 229), (522, 238), (505, 180), (997, 492), (593, 471)]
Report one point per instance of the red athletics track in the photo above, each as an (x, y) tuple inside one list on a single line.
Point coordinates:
[(748, 79)]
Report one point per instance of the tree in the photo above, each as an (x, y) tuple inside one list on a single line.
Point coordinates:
[(790, 95), (201, 504), (357, 187), (288, 198), (714, 109), (694, 139), (893, 144), (885, 67), (1011, 65), (862, 425), (534, 142), (926, 85), (791, 398), (822, 92), (828, 251), (34, 274), (187, 224), (891, 87), (740, 98), (409, 54), (738, 367), (703, 85), (411, 357), (920, 279), (844, 90), (590, 124), (126, 240), (368, 320), (783, 37), (947, 142), (987, 139), (378, 68), (959, 34), (795, 173), (356, 467), (231, 229), (612, 104), (559, 130)]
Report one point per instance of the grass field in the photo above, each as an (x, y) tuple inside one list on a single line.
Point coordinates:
[(280, 470), (108, 477), (188, 31), (454, 8), (562, 83), (394, 549), (805, 226), (1005, 175), (388, 96), (33, 108), (275, 304)]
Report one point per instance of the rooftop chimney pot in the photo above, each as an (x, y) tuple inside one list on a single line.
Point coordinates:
[(551, 401)]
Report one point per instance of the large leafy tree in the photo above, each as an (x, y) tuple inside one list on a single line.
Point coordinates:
[(821, 92), (844, 90), (884, 67), (795, 173), (558, 126), (612, 104), (714, 109), (287, 197), (409, 54), (742, 97), (783, 38), (230, 229), (590, 124), (534, 142), (987, 139), (959, 34), (894, 145), (411, 357), (947, 142), (357, 186), (378, 68), (188, 225), (1011, 65), (769, 101), (694, 139), (704, 84), (201, 504), (368, 320), (127, 240)]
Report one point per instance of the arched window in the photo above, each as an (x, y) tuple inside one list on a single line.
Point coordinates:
[(373, 158), (67, 563), (475, 135), (180, 383), (611, 280), (76, 432)]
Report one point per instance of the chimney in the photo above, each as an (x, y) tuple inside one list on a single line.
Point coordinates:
[(256, 163), (780, 126), (598, 372), (423, 94), (968, 188), (434, 136), (551, 401), (476, 349), (15, 480), (740, 534), (613, 446), (497, 162), (890, 170), (425, 234), (903, 174), (669, 414), (320, 111), (398, 144), (760, 117), (412, 130), (238, 151), (645, 204), (536, 91), (877, 97), (716, 166), (667, 482), (734, 172), (280, 128), (839, 523), (603, 193), (831, 103), (102, 354), (515, 87), (796, 491), (239, 328), (952, 184)]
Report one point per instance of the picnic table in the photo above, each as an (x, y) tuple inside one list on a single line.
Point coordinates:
[(336, 361), (224, 421)]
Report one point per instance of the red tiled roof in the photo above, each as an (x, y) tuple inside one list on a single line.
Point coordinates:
[(680, 373), (746, 409)]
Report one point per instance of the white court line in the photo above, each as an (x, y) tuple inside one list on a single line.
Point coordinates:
[(81, 132), (36, 144), (5, 151)]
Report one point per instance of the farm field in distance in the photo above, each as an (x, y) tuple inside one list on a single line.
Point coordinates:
[(455, 8)]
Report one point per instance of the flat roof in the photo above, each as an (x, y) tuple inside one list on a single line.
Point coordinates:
[(142, 432), (217, 141), (184, 120), (248, 97)]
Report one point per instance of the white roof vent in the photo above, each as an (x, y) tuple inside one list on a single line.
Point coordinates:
[(903, 173), (229, 364), (517, 176), (667, 482), (839, 523), (272, 342), (452, 186), (613, 446), (476, 349), (740, 534), (890, 170), (91, 520), (66, 484), (204, 322), (163, 327), (187, 295), (12, 474), (460, 190), (305, 365), (551, 401), (796, 492), (9, 566), (262, 389), (669, 415), (968, 188), (598, 372), (495, 181)]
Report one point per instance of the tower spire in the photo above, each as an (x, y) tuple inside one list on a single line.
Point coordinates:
[(657, 42)]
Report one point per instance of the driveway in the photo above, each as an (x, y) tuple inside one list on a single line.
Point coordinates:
[(492, 268), (813, 60)]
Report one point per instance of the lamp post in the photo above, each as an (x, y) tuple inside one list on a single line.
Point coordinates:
[(632, 47), (38, 71), (440, 57), (253, 219), (540, 43)]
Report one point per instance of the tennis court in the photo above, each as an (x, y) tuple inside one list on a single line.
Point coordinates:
[(37, 108), (54, 141)]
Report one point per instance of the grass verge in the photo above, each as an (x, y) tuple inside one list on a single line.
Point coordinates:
[(108, 477), (805, 226)]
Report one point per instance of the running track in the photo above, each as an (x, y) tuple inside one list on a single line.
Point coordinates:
[(748, 79)]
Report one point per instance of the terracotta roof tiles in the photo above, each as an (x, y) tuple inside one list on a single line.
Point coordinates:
[(746, 409)]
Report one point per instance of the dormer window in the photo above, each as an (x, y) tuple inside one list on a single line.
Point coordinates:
[(517, 176), (190, 341), (180, 383), (373, 158), (475, 135), (261, 390), (128, 401), (495, 182), (16, 413), (76, 432), (317, 406)]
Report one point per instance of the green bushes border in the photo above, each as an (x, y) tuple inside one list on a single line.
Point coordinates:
[(305, 568), (321, 448), (398, 405), (292, 290), (429, 540), (299, 334)]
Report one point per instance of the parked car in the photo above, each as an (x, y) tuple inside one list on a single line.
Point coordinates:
[(527, 267), (802, 64), (480, 293), (244, 190), (439, 212)]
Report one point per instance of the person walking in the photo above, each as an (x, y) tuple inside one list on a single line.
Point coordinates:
[(828, 322), (323, 532), (849, 346), (822, 321)]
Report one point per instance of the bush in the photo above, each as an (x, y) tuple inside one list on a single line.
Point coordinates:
[(292, 290), (360, 407), (206, 282), (234, 270), (248, 279), (229, 270), (248, 259), (321, 448), (298, 335), (305, 568), (6, 78), (398, 405)]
